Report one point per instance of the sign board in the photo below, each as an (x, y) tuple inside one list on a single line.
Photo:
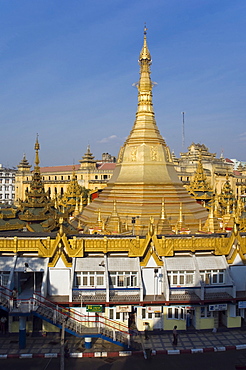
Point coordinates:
[(123, 308), (242, 304), (153, 309), (94, 308), (218, 307)]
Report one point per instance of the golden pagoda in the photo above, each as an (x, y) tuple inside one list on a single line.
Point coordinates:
[(37, 213), (75, 198), (199, 187), (226, 198), (144, 175)]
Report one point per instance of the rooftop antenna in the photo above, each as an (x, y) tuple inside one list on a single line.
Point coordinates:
[(183, 131)]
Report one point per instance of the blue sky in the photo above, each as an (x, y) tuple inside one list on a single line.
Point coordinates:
[(67, 69)]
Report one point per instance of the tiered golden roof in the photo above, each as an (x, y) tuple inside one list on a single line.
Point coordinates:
[(75, 198), (226, 198), (37, 213), (199, 187)]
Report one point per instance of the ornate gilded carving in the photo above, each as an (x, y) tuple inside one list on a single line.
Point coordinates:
[(134, 154), (153, 153)]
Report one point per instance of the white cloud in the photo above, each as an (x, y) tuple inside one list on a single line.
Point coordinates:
[(108, 139), (242, 137)]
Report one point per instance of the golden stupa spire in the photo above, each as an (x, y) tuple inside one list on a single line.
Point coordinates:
[(145, 54), (145, 128), (163, 226), (180, 221), (211, 224), (36, 148), (163, 215)]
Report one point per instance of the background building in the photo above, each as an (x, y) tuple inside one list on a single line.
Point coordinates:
[(7, 185), (90, 173)]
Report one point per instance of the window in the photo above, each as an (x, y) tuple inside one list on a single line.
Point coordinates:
[(143, 313), (4, 277), (113, 315), (77, 279), (123, 279), (91, 278), (177, 313), (99, 278), (213, 276), (181, 277), (205, 313), (96, 177)]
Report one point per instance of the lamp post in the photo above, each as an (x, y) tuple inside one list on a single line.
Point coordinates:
[(34, 276), (62, 344), (64, 320)]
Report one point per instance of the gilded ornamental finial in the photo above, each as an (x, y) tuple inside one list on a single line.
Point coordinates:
[(36, 148), (145, 54)]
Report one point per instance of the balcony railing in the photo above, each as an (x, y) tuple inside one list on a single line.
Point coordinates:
[(100, 294)]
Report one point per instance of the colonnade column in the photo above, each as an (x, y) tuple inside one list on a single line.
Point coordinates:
[(22, 332)]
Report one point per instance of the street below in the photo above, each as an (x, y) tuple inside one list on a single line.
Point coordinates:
[(229, 360)]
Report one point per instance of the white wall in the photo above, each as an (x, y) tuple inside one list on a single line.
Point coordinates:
[(59, 281), (238, 274)]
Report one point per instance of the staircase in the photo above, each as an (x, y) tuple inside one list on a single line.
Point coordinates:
[(74, 322)]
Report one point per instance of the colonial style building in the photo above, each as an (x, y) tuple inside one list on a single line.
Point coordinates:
[(215, 169), (91, 174), (7, 185)]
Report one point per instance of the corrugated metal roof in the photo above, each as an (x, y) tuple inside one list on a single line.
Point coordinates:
[(89, 264), (123, 264), (114, 264), (180, 263), (211, 263), (35, 264), (7, 263)]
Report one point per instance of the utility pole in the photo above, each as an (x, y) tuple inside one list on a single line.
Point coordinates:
[(183, 131), (62, 343)]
